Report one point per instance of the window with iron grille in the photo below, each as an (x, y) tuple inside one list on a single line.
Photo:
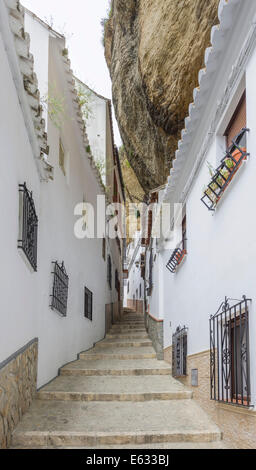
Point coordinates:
[(59, 297), (109, 272), (88, 303), (230, 355), (179, 352), (28, 226)]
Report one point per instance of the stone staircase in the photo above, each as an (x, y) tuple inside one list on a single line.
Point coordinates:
[(117, 395)]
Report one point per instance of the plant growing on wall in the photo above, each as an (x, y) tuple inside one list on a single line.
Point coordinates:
[(54, 105), (104, 21), (84, 96), (101, 165)]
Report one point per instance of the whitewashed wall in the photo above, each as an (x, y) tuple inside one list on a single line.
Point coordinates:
[(19, 288), (25, 296), (221, 246)]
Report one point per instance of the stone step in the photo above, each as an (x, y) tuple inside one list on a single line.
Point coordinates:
[(116, 335), (130, 323), (119, 353), (128, 328), (62, 423), (165, 445), (132, 318), (114, 389), (123, 342), (114, 367)]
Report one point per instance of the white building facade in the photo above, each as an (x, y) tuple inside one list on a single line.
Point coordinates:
[(134, 287), (212, 269)]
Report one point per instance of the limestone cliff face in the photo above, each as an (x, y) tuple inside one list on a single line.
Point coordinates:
[(154, 50)]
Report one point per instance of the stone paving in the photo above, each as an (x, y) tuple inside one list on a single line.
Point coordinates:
[(117, 395)]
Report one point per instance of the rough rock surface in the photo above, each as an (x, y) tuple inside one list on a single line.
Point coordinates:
[(154, 50)]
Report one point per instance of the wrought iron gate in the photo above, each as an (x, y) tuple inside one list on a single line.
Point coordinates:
[(229, 356), (179, 352)]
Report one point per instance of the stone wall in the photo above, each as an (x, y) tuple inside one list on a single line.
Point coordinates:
[(168, 355), (237, 424), (18, 382), (156, 334)]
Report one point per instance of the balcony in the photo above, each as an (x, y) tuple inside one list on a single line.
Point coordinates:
[(177, 257), (224, 174)]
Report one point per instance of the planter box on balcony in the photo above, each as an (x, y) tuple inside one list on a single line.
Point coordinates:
[(177, 258), (225, 173)]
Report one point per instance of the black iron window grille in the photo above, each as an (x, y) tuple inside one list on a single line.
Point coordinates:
[(177, 257), (28, 226), (179, 352), (88, 303), (59, 297), (229, 356), (109, 272), (223, 175)]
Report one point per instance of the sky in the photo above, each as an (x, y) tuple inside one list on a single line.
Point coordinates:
[(80, 22)]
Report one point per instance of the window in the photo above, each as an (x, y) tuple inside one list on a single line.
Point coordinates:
[(128, 288), (62, 157), (229, 359), (59, 297), (184, 234), (88, 303), (179, 352), (28, 226), (237, 123), (104, 249), (140, 292), (109, 272)]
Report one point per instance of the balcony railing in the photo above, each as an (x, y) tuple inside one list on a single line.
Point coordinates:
[(229, 356), (224, 174), (177, 257)]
